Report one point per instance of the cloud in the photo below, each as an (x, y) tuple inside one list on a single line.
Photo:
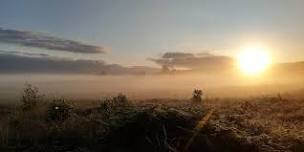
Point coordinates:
[(205, 61), (168, 55), (38, 40), (24, 53), (15, 63)]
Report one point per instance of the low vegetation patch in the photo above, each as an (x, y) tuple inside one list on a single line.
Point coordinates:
[(118, 124)]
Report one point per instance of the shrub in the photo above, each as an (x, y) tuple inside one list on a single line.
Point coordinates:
[(30, 97), (197, 95), (120, 99), (58, 110), (107, 105)]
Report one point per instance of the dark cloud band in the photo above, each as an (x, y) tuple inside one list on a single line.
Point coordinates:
[(205, 62), (37, 40), (18, 63)]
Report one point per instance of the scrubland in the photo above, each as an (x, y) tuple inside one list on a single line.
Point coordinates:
[(115, 124)]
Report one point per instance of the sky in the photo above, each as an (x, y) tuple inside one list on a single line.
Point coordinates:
[(42, 39), (129, 32)]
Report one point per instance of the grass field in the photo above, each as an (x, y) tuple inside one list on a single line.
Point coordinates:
[(117, 124)]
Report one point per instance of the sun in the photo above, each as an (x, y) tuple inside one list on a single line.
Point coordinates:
[(253, 60)]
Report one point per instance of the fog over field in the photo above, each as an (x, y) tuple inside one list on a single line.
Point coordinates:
[(151, 76), (147, 86), (175, 75)]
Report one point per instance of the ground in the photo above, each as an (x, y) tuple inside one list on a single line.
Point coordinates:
[(115, 125)]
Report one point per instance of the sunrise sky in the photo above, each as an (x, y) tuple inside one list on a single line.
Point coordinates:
[(129, 32)]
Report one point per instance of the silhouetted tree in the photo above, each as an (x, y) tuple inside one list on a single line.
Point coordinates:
[(165, 69), (120, 99), (30, 97), (197, 95)]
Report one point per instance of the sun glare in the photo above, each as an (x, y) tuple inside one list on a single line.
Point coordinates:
[(253, 60)]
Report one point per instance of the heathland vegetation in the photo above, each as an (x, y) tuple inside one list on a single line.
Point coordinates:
[(120, 124)]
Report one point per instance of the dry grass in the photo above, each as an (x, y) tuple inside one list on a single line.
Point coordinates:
[(252, 124), (265, 123)]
